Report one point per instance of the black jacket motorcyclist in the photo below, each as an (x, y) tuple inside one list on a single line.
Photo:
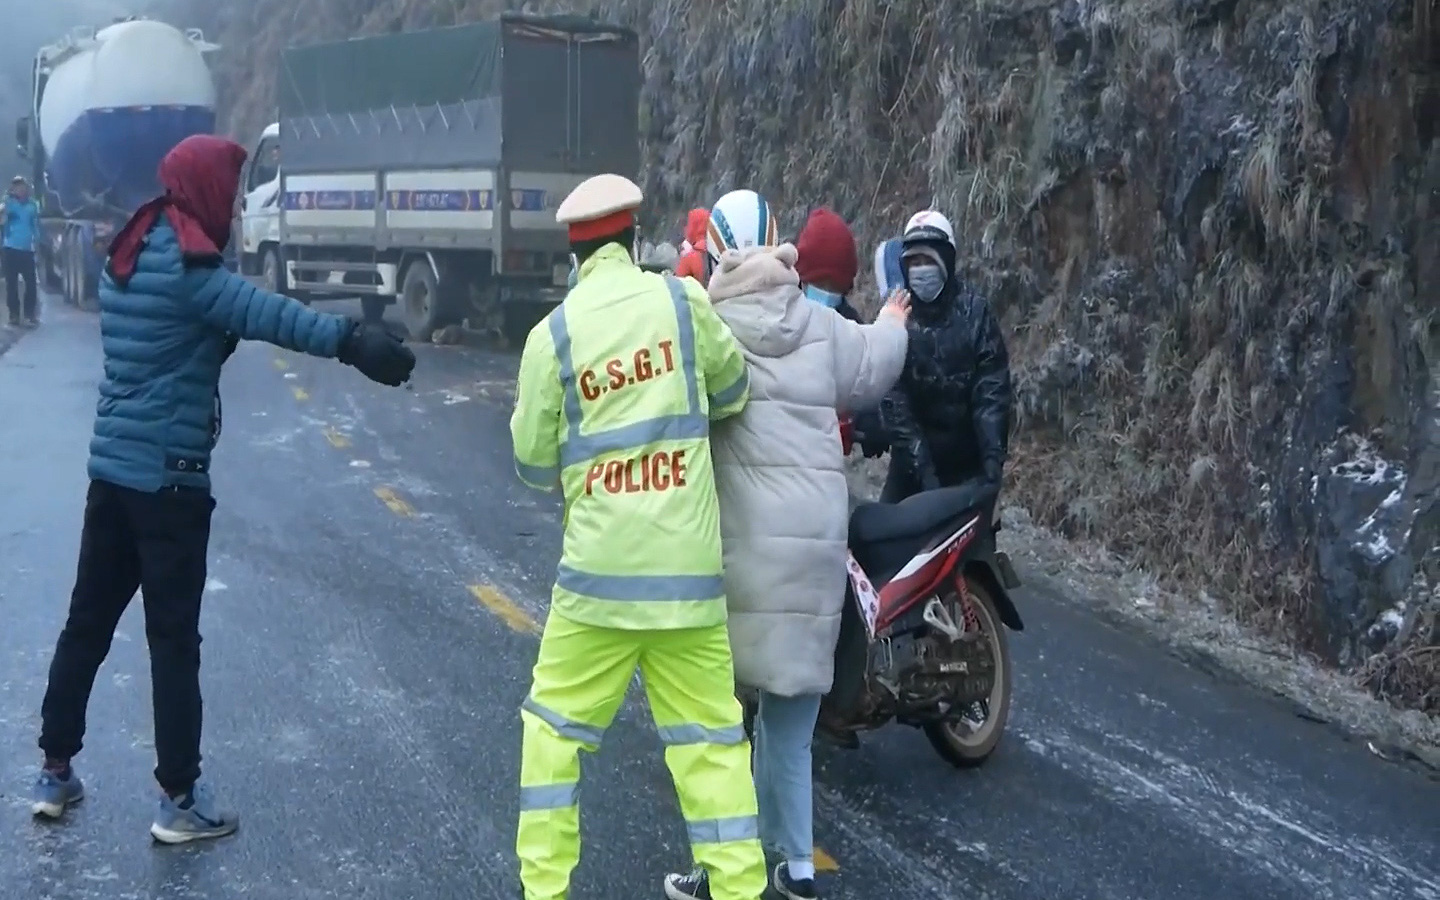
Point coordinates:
[(948, 419)]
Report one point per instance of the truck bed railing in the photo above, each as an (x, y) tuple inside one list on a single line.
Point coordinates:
[(463, 134), (372, 119)]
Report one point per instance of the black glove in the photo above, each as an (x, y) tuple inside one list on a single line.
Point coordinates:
[(870, 434), (994, 473), (378, 354)]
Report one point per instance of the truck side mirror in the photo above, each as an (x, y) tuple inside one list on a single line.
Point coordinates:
[(22, 138)]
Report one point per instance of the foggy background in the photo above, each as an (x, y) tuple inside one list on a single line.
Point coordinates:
[(27, 26)]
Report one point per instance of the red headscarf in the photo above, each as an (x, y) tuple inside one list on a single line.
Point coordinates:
[(201, 177)]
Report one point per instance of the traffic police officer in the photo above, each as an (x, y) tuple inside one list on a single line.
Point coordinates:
[(616, 392)]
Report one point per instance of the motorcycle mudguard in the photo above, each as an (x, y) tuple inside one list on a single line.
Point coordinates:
[(989, 573), (1006, 571)]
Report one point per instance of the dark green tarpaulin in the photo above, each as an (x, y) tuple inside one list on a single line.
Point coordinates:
[(419, 68), (565, 98)]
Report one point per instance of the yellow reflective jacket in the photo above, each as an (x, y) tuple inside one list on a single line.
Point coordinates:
[(613, 403)]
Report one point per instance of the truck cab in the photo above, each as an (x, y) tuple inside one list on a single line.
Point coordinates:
[(260, 212)]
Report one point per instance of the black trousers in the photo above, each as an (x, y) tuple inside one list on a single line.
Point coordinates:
[(156, 542), (20, 264)]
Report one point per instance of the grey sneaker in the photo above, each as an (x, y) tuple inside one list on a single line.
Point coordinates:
[(53, 795), (694, 886), (194, 817)]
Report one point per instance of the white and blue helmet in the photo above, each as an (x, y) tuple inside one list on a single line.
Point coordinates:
[(738, 221)]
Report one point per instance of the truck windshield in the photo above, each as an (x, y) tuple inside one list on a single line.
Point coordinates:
[(267, 163)]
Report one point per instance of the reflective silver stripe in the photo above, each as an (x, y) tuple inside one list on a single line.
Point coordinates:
[(687, 343), (719, 831), (733, 392), (690, 733), (567, 728), (538, 476), (640, 588), (549, 796), (585, 447), (692, 424)]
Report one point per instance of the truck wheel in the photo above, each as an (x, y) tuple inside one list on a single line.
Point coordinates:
[(70, 257), (63, 266), (86, 290), (420, 301), (272, 275), (272, 271)]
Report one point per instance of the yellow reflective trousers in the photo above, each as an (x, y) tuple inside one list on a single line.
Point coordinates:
[(580, 680)]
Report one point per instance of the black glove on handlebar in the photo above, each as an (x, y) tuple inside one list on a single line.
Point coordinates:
[(379, 355)]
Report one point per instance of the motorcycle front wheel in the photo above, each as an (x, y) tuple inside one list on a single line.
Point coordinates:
[(969, 742)]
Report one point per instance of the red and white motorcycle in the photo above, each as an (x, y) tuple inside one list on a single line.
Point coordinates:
[(923, 635)]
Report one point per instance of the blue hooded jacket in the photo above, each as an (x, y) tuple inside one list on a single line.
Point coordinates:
[(165, 336)]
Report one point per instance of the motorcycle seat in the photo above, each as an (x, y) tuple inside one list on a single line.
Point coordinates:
[(916, 516)]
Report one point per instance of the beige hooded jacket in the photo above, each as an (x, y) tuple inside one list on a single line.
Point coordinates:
[(784, 504)]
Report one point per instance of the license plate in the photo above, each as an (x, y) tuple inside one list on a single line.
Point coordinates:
[(560, 276)]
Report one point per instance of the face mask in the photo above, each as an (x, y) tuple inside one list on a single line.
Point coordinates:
[(824, 298), (926, 282)]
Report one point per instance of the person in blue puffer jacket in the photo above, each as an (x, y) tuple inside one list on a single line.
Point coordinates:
[(170, 315)]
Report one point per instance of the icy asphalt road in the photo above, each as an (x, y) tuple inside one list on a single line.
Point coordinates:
[(375, 572)]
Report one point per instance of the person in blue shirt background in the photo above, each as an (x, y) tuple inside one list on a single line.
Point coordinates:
[(21, 225)]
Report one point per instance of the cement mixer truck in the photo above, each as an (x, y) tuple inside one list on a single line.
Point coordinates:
[(107, 105)]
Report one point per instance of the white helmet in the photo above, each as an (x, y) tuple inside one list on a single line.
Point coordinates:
[(740, 219), (928, 227)]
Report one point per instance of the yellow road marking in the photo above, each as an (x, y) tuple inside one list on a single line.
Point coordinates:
[(300, 393), (392, 500), (280, 363), (824, 862), (336, 439), (502, 606)]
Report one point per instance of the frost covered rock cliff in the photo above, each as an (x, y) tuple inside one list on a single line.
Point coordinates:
[(1212, 228)]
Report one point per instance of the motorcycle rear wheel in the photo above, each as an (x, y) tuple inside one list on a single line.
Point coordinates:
[(960, 746)]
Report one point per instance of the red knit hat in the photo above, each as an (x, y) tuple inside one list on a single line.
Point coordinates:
[(827, 252)]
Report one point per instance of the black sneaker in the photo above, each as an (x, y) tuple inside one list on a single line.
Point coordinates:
[(792, 888), (695, 886)]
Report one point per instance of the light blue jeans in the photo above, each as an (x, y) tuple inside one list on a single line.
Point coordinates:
[(784, 729)]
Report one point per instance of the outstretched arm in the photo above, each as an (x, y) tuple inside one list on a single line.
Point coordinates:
[(868, 361), (232, 304)]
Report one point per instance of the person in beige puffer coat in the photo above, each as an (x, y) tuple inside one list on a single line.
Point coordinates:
[(784, 511)]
